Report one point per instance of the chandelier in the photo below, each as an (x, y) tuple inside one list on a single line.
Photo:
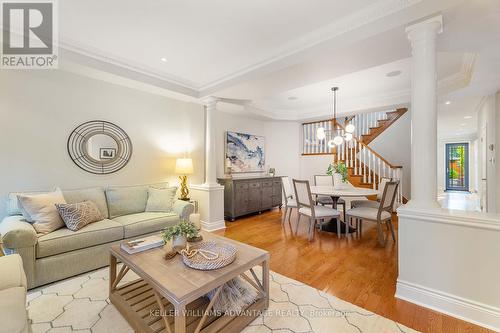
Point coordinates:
[(335, 136)]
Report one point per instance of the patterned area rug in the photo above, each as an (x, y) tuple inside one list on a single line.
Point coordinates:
[(81, 304)]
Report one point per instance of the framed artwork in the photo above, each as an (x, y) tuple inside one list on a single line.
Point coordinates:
[(107, 153), (244, 152)]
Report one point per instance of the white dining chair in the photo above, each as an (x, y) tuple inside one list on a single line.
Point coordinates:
[(327, 180), (290, 202), (371, 203), (313, 212), (380, 215)]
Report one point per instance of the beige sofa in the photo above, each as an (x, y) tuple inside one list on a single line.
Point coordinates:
[(13, 314), (64, 253)]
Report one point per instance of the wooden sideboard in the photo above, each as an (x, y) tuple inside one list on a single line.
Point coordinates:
[(244, 196)]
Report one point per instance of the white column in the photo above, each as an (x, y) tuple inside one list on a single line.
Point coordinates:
[(424, 112), (210, 195), (210, 143)]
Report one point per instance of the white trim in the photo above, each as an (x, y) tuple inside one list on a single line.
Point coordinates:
[(459, 307), (475, 220), (213, 226)]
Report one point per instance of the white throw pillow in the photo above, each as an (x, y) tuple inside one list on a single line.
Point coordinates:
[(160, 200), (41, 210)]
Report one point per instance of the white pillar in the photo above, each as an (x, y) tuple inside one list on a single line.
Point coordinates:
[(210, 143), (210, 195), (424, 112)]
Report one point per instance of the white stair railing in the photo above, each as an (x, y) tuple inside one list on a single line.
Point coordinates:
[(364, 121), (367, 163)]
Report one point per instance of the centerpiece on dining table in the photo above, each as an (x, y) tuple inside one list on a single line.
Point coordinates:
[(340, 174)]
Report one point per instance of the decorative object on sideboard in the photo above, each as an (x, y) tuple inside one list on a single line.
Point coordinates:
[(272, 172), (340, 174), (179, 234), (99, 147), (184, 167), (335, 137), (244, 152)]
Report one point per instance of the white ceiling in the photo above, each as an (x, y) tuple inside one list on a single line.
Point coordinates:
[(261, 52)]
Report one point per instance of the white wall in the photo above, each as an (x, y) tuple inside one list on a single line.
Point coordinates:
[(486, 121), (497, 146), (394, 144), (448, 261), (281, 142), (39, 109)]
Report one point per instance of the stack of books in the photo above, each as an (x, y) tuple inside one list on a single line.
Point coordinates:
[(142, 244)]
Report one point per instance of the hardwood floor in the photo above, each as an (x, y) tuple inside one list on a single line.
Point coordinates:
[(356, 270)]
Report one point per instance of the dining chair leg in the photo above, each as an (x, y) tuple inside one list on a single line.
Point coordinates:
[(284, 215), (347, 225), (360, 228), (381, 238), (311, 228), (290, 214), (339, 231), (297, 224), (391, 227)]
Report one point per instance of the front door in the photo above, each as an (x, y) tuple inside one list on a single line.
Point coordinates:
[(457, 167)]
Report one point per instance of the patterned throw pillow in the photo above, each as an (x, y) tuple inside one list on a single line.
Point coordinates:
[(78, 215)]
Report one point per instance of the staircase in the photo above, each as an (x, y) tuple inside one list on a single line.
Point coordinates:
[(370, 125), (365, 166)]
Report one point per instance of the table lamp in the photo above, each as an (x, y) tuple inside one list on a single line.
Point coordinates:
[(184, 167)]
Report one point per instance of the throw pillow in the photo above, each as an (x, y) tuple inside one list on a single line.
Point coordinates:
[(78, 215), (160, 200), (41, 211)]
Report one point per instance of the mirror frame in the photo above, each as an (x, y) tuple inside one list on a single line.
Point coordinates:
[(77, 147)]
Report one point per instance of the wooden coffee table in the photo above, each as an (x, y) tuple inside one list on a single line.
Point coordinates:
[(170, 297)]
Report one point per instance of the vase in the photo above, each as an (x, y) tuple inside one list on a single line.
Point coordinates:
[(179, 242), (337, 181)]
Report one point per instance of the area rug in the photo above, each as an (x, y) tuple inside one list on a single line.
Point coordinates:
[(80, 304)]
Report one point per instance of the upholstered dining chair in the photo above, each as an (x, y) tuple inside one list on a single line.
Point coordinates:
[(380, 215), (327, 180), (308, 208), (371, 203), (290, 202)]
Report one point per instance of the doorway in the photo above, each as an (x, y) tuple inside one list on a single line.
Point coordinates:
[(457, 167)]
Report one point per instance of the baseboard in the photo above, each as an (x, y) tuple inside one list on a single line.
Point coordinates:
[(213, 226), (455, 306)]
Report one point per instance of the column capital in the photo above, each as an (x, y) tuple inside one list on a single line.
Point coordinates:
[(433, 25), (210, 101)]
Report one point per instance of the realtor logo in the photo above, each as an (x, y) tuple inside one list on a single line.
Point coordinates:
[(29, 32)]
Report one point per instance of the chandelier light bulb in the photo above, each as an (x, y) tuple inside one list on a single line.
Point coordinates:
[(331, 144), (350, 128), (348, 137), (320, 133), (338, 140)]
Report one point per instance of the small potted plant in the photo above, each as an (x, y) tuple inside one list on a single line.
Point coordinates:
[(179, 234), (340, 174)]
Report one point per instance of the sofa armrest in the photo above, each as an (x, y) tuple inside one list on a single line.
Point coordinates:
[(16, 233), (12, 270), (183, 209)]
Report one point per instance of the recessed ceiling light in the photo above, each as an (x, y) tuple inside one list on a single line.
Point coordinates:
[(164, 59), (293, 98), (468, 117), (463, 124), (393, 73), (447, 102)]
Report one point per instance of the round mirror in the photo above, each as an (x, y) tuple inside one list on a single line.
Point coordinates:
[(99, 147)]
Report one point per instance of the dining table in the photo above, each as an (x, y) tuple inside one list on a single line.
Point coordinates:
[(345, 191)]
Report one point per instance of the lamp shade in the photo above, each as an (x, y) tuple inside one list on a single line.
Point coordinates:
[(184, 166)]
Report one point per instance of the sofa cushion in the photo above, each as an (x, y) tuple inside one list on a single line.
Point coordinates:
[(40, 210), (80, 214), (65, 240), (94, 194), (13, 205), (143, 223), (160, 200), (13, 310), (125, 200)]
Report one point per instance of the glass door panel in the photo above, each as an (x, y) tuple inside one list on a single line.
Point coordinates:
[(457, 167)]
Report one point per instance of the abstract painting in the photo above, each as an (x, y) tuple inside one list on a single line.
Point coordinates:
[(244, 152)]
